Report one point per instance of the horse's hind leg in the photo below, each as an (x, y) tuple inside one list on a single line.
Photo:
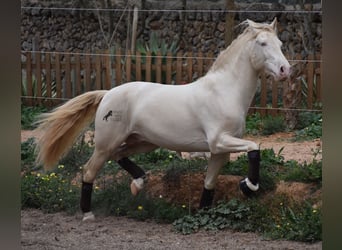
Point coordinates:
[(90, 171), (137, 173)]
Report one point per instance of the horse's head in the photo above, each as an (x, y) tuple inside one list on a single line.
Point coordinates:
[(266, 51)]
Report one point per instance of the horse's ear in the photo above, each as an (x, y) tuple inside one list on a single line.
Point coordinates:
[(274, 24), (250, 23)]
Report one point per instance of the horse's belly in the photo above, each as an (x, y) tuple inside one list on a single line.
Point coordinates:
[(176, 140)]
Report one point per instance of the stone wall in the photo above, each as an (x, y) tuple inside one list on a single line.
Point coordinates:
[(66, 30)]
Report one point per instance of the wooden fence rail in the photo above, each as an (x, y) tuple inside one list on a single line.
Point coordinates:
[(51, 78)]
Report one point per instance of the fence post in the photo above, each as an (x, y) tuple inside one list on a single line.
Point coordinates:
[(310, 75), (29, 78), (48, 78), (118, 68), (318, 80), (138, 66), (189, 67), (87, 77), (148, 66), (108, 80), (169, 60), (200, 64), (68, 84), (274, 111), (159, 67), (128, 65), (78, 89), (179, 68), (58, 76), (37, 56), (263, 95)]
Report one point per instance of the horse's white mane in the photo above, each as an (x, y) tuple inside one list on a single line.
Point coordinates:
[(249, 31)]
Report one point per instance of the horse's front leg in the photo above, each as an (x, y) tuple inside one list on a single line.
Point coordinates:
[(227, 143), (216, 162)]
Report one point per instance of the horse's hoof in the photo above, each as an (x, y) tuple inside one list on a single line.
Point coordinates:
[(247, 188), (89, 216), (137, 185), (134, 189)]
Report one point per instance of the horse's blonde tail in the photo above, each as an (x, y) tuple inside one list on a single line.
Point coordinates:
[(59, 129)]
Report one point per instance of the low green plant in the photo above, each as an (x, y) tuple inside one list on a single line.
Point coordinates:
[(313, 131), (230, 214), (299, 222), (51, 192)]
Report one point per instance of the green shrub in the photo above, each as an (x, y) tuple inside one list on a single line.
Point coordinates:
[(273, 124), (309, 127), (253, 124), (28, 155), (306, 172), (267, 125), (29, 115)]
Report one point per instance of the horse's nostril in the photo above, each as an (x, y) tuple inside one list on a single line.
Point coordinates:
[(282, 69)]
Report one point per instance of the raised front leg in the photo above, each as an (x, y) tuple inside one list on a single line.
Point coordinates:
[(251, 183), (227, 143), (215, 164)]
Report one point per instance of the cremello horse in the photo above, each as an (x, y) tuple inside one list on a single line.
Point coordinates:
[(137, 117)]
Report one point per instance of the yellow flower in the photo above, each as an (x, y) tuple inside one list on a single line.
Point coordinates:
[(60, 166), (109, 162), (53, 175), (314, 211), (183, 206), (38, 174), (278, 226), (140, 208)]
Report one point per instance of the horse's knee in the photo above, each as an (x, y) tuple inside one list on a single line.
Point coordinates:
[(252, 146)]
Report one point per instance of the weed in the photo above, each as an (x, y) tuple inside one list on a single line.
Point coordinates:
[(302, 223)]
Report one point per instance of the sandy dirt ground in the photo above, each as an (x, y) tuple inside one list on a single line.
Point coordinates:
[(60, 231)]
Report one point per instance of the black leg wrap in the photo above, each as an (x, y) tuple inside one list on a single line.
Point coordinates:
[(207, 198), (87, 189), (254, 165), (253, 174), (134, 170)]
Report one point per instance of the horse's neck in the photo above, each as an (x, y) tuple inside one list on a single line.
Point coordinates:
[(236, 80)]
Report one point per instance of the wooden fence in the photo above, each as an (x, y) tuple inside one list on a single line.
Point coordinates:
[(51, 78)]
